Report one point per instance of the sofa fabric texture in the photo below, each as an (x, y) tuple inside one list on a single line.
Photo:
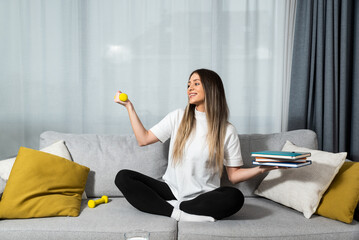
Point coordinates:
[(107, 221), (258, 219), (105, 155), (264, 219)]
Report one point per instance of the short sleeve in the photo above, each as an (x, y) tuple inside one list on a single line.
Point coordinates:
[(164, 129), (232, 148)]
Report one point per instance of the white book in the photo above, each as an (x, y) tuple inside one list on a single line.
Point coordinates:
[(284, 164)]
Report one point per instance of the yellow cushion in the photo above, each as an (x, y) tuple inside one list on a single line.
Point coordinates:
[(43, 185), (342, 197)]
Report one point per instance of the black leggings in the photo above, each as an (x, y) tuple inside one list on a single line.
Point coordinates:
[(151, 196)]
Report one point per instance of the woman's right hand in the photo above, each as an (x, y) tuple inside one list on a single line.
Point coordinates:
[(143, 136), (117, 100)]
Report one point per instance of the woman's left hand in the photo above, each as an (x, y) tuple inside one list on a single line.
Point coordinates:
[(270, 168)]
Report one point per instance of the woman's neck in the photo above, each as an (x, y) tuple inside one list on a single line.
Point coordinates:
[(200, 108)]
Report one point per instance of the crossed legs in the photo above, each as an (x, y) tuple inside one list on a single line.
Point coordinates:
[(152, 196)]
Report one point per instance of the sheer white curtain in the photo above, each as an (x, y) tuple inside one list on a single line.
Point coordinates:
[(62, 61)]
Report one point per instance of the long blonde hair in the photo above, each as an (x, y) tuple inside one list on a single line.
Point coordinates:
[(217, 113)]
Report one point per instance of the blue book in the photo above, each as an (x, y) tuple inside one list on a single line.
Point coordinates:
[(284, 164), (281, 155)]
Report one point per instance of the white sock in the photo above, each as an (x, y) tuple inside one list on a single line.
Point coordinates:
[(174, 203), (182, 216), (176, 214)]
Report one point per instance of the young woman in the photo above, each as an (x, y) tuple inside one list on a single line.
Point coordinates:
[(202, 142)]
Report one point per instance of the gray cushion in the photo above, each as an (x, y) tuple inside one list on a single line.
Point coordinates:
[(263, 219), (274, 142), (106, 221), (105, 155)]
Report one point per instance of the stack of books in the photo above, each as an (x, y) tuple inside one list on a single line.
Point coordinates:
[(281, 158)]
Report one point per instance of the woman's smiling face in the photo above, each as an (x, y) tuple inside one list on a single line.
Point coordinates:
[(195, 92)]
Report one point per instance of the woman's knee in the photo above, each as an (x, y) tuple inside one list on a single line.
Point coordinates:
[(235, 197), (122, 178)]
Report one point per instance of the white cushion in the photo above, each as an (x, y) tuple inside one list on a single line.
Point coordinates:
[(58, 148), (5, 168), (302, 188)]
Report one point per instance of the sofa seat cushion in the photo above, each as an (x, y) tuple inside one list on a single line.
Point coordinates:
[(264, 219), (105, 221)]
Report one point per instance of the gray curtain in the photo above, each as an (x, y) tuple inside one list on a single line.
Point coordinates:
[(324, 94)]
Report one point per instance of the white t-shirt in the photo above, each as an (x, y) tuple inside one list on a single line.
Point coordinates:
[(191, 177)]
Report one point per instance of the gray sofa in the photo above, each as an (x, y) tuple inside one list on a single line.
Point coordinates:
[(105, 155)]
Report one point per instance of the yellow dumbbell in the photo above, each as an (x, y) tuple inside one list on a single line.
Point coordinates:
[(123, 97), (94, 203)]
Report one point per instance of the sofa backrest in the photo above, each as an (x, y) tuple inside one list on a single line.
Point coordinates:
[(105, 155)]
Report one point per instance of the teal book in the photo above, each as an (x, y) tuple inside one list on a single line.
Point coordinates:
[(281, 155)]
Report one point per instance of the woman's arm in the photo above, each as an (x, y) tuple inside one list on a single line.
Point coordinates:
[(237, 174), (143, 136)]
